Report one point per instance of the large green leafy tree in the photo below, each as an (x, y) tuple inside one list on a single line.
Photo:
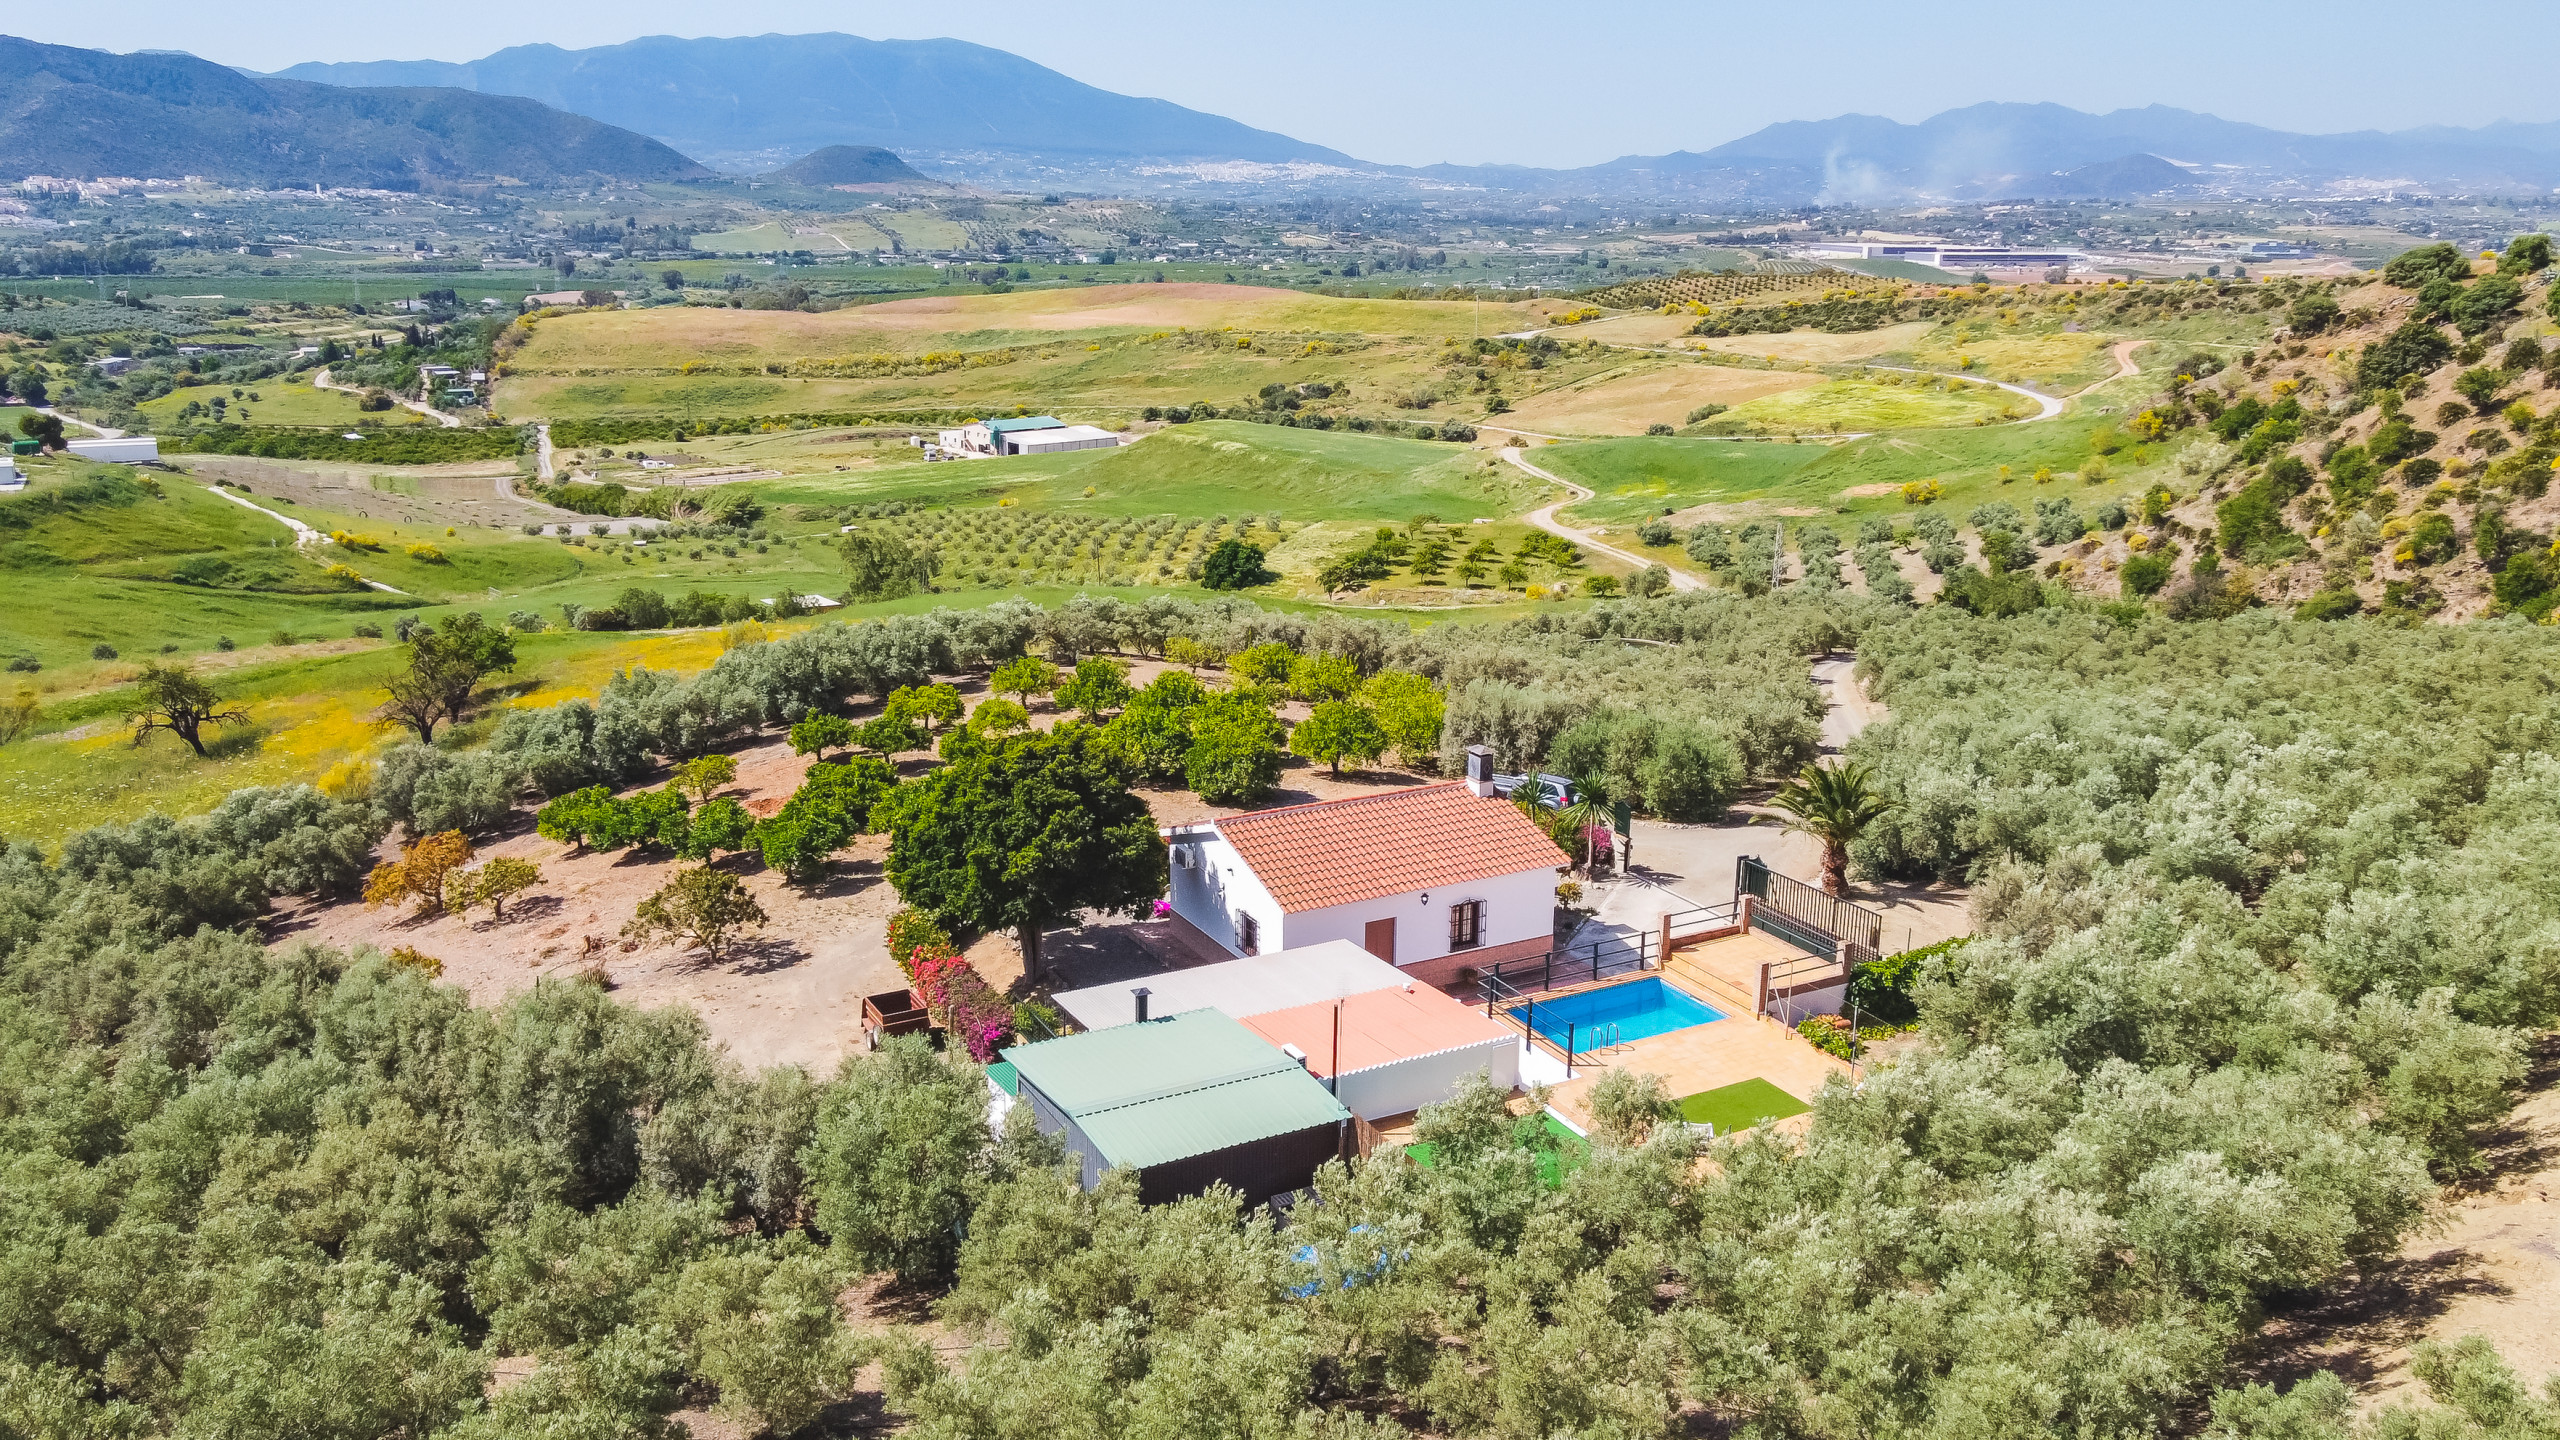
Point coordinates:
[(1022, 836), (1234, 565), (446, 665)]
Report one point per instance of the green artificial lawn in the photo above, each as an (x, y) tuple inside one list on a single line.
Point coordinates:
[(1740, 1106), (1562, 1153)]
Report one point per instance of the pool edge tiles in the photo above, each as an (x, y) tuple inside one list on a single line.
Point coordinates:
[(1641, 1009)]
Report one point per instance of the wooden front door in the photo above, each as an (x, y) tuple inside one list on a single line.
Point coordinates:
[(1380, 939)]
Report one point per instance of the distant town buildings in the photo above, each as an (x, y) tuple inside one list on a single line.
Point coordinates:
[(1946, 256)]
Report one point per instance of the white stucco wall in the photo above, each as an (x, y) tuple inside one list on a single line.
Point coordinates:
[(1209, 892), (1516, 907), (1410, 1084)]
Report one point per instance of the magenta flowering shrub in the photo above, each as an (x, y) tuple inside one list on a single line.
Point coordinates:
[(962, 1002)]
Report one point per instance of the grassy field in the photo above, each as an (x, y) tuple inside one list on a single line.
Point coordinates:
[(2053, 361), (1638, 479), (1223, 466), (110, 576), (1626, 400), (1641, 477), (1081, 351), (1866, 404), (276, 403), (1817, 348)]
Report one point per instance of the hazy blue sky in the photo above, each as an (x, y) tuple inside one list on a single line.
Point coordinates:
[(1499, 81)]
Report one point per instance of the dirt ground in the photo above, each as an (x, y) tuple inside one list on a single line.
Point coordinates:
[(432, 495), (792, 993), (2490, 1267)]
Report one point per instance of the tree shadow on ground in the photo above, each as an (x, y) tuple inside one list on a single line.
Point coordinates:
[(529, 910), (231, 742), (761, 955), (2361, 1325), (1105, 953)]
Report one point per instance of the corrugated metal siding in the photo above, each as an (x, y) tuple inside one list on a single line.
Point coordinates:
[(1259, 1171), (1127, 1064), (1054, 1121), (1203, 1121)]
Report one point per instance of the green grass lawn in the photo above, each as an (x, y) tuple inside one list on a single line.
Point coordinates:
[(1740, 1106), (1635, 478)]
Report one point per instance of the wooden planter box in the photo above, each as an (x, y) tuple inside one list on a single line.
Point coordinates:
[(891, 1012)]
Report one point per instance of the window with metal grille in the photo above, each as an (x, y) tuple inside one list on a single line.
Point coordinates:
[(1247, 933), (1466, 925)]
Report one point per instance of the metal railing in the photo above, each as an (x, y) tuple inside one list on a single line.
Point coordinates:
[(1806, 917), (1606, 958), (1700, 917)]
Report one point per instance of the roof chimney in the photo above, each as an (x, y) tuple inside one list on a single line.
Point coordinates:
[(1480, 771), (1142, 992)]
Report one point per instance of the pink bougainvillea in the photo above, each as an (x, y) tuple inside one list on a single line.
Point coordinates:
[(954, 995)]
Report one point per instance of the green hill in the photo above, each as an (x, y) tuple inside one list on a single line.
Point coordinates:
[(850, 165), (67, 111)]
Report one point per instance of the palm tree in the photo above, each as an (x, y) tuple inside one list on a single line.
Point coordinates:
[(1834, 804), (1588, 812)]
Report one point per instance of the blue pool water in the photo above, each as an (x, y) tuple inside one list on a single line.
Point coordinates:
[(1639, 1009)]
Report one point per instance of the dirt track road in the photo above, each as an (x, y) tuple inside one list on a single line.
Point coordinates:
[(1544, 517)]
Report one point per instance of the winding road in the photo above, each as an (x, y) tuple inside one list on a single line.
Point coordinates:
[(1544, 517), (304, 537)]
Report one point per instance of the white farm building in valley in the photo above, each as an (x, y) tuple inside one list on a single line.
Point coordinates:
[(1026, 435)]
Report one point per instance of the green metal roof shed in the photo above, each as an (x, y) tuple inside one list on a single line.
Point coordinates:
[(1185, 1100), (1001, 428)]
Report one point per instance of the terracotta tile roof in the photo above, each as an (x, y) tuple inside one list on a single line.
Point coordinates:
[(1339, 852), (1379, 1027)]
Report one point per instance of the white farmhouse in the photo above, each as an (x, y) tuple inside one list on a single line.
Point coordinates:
[(1435, 880)]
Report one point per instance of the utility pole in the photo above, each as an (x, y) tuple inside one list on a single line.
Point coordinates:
[(1778, 557)]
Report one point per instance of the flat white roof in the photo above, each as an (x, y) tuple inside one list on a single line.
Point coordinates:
[(1254, 985)]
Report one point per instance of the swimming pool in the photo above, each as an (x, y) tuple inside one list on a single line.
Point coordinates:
[(1638, 1009)]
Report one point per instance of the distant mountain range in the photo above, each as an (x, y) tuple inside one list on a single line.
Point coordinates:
[(756, 101), (1993, 149), (86, 113), (968, 112), (839, 105)]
